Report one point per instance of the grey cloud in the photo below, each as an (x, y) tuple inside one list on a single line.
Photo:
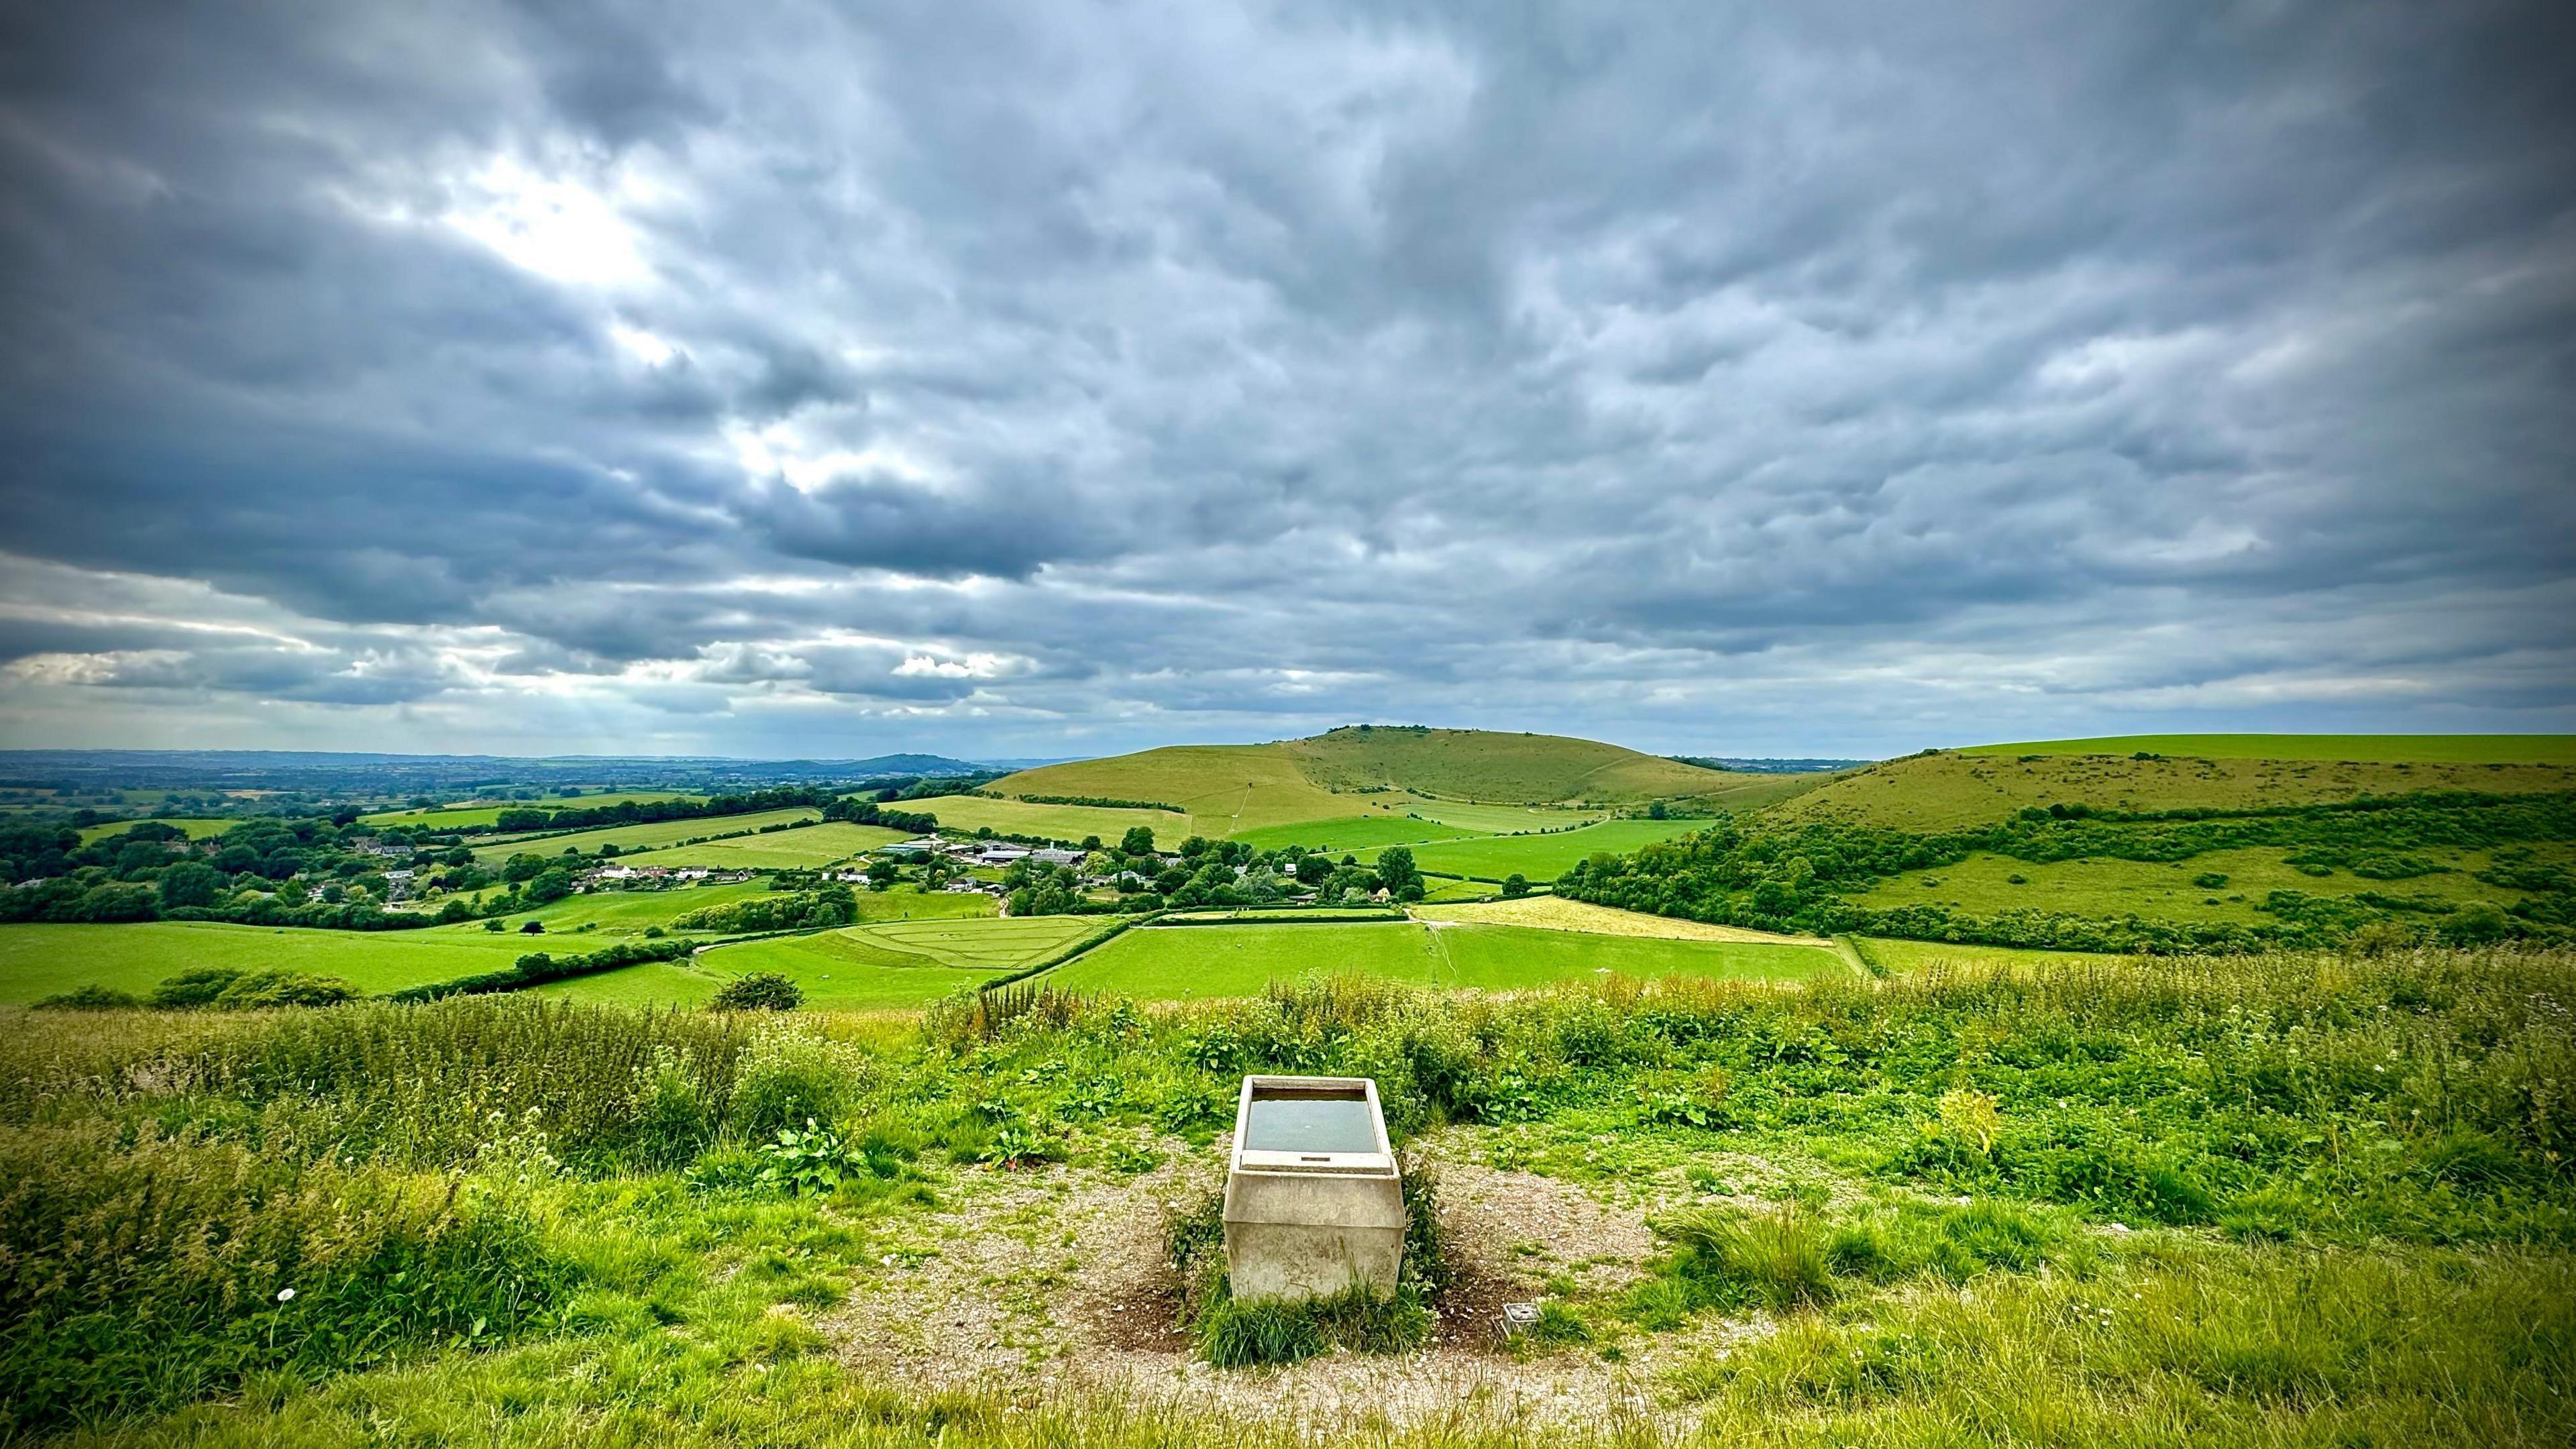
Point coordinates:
[(1641, 371)]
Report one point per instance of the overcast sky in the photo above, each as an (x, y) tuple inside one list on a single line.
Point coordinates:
[(1052, 379)]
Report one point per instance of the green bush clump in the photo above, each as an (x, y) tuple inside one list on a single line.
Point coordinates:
[(92, 997), (758, 991)]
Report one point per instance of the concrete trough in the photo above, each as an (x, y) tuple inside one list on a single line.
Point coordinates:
[(1313, 1203)]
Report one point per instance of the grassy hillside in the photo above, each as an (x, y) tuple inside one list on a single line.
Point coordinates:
[(1951, 789), (1477, 780), (2384, 749), (1490, 766)]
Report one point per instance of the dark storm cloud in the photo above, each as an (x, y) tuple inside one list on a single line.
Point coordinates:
[(1029, 379)]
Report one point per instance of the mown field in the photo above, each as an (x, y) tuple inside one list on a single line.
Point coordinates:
[(451, 817), (1178, 963), (2267, 1201), (2390, 749), (1542, 858), (896, 963), (195, 828), (37, 961), (809, 846)]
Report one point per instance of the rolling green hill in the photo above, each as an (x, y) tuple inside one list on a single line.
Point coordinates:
[(1359, 774), (1956, 788), (2382, 749), (1518, 769)]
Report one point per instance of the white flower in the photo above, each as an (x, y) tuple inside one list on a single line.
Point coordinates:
[(285, 1295)]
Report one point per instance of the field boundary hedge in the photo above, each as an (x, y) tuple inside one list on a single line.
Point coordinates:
[(538, 968)]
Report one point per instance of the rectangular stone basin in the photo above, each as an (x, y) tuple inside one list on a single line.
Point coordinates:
[(1312, 1200)]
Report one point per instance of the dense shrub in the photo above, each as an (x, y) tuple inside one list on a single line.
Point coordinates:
[(758, 991)]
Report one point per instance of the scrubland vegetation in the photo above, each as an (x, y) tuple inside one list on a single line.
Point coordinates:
[(2266, 1199)]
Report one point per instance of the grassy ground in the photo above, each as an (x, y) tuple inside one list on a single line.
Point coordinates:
[(1944, 791), (2260, 1203), (453, 816), (630, 837), (1361, 832), (1986, 884), (1175, 963), (2390, 749), (1502, 819), (195, 828), (965, 814), (1550, 913), (1183, 963), (619, 914), (890, 964), (37, 961), (1543, 857), (1509, 958), (811, 846), (1892, 955)]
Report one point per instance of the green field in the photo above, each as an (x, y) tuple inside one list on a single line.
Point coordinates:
[(37, 961), (803, 849), (622, 913), (2101, 886), (1358, 832), (195, 829), (1544, 857), (1172, 963), (1505, 958), (1502, 819), (2380, 749), (451, 817), (895, 964), (1892, 955), (1950, 790), (659, 835), (966, 814)]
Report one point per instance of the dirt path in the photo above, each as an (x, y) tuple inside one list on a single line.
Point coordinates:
[(1043, 1284)]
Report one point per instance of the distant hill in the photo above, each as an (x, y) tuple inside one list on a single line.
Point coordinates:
[(1769, 766), (2382, 749), (1950, 789), (1382, 771)]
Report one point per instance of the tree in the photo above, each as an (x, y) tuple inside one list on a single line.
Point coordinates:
[(1515, 886), (1139, 840), (189, 883), (758, 991), (1312, 869), (883, 873), (1396, 870), (1655, 811), (551, 885)]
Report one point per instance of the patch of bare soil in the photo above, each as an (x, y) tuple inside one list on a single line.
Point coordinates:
[(1055, 1282)]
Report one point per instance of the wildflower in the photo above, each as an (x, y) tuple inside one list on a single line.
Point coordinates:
[(285, 1295)]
